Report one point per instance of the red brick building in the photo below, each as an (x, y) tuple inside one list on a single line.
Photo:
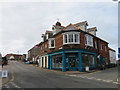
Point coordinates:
[(72, 48)]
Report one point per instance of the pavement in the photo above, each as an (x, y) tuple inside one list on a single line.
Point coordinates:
[(5, 80), (28, 76)]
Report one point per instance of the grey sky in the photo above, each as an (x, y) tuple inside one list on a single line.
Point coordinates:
[(21, 24)]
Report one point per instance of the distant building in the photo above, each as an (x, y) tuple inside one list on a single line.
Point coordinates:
[(13, 56), (24, 57), (112, 56), (33, 53)]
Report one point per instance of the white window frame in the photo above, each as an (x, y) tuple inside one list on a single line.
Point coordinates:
[(96, 44), (73, 33), (50, 39), (88, 42)]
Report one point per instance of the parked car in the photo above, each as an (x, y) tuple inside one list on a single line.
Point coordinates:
[(27, 62)]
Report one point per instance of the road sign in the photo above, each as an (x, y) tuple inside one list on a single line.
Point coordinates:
[(118, 50), (5, 73), (119, 55)]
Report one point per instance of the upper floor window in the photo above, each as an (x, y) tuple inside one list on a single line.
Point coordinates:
[(96, 44), (52, 43), (88, 40), (71, 38)]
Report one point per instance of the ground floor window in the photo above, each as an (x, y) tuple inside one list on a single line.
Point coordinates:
[(87, 60), (72, 60), (57, 61)]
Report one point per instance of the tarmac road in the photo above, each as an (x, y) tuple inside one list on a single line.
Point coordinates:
[(26, 76)]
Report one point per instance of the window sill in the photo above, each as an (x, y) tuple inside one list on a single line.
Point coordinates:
[(51, 47), (70, 43), (88, 45)]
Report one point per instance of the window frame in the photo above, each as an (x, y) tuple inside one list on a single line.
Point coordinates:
[(73, 38), (88, 40), (50, 44)]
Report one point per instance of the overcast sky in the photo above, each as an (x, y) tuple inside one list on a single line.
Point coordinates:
[(22, 23)]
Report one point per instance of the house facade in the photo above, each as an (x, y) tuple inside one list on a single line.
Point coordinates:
[(72, 48), (33, 53), (112, 56)]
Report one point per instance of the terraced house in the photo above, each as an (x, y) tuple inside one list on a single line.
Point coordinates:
[(72, 48)]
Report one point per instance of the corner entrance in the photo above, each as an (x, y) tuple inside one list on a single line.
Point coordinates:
[(72, 63)]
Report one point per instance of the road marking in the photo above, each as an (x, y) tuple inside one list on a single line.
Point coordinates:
[(93, 78), (73, 75), (6, 86), (14, 85), (116, 82), (99, 79)]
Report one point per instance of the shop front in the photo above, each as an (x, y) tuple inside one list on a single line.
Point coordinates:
[(71, 60)]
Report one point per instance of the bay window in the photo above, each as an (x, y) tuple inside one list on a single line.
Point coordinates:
[(71, 38)]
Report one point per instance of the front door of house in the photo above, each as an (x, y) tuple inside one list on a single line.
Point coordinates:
[(72, 63)]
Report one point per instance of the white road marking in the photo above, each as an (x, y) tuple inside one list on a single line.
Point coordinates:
[(116, 82), (14, 85), (93, 78), (99, 79), (6, 86), (73, 75)]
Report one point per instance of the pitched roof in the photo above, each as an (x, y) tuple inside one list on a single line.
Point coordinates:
[(81, 23), (13, 55), (59, 27), (70, 25), (47, 31), (112, 49), (92, 29)]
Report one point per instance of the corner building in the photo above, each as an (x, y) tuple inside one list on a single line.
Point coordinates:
[(73, 48)]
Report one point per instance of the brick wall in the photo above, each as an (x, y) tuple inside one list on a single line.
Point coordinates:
[(44, 47)]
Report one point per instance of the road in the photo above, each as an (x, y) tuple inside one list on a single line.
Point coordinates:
[(26, 76)]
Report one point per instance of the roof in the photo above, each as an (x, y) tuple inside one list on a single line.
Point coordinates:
[(12, 55), (81, 23), (70, 25), (59, 27), (92, 29), (47, 31), (112, 49)]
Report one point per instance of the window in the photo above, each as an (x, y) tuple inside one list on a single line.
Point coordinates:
[(88, 60), (101, 47), (45, 45), (71, 38), (95, 44), (105, 48), (52, 43), (89, 40), (57, 61)]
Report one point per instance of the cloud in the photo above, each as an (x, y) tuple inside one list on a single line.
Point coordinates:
[(23, 23)]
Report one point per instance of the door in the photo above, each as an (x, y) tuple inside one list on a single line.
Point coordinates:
[(72, 63)]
